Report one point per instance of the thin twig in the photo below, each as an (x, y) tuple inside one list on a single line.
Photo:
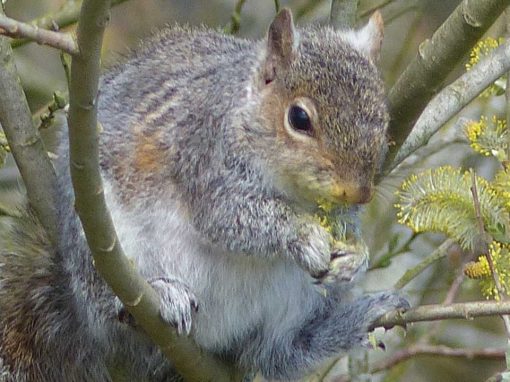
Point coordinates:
[(25, 142), (466, 310), (438, 254), (373, 8), (235, 18), (63, 41), (454, 288), (452, 99), (436, 58), (440, 351), (277, 6), (449, 299), (65, 59), (385, 260), (67, 15), (483, 241), (400, 12), (45, 118), (109, 259), (321, 374)]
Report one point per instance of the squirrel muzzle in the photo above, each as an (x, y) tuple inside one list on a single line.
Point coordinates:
[(352, 193)]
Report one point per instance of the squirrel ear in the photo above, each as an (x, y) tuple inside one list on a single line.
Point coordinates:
[(369, 38), (281, 39)]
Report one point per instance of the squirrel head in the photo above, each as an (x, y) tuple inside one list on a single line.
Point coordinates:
[(323, 105)]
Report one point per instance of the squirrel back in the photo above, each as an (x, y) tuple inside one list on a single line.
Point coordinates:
[(217, 95)]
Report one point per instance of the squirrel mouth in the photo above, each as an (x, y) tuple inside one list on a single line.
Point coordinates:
[(352, 193)]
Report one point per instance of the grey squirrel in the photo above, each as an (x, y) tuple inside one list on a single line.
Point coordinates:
[(214, 154)]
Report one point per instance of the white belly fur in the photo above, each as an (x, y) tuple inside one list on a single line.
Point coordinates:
[(236, 293)]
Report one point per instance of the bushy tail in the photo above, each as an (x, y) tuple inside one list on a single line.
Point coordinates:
[(38, 324)]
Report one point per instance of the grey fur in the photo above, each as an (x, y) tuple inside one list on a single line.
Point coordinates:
[(196, 173)]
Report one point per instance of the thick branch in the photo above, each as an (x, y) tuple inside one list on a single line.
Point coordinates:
[(65, 16), (453, 98), (441, 351), (343, 13), (435, 60), (25, 142), (62, 41), (465, 310), (109, 259)]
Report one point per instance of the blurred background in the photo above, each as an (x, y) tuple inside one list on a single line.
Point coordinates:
[(408, 23)]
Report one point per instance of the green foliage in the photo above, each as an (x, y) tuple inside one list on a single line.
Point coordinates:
[(489, 137), (480, 269), (440, 200), (501, 185)]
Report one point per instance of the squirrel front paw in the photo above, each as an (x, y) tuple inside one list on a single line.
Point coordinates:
[(347, 262), (379, 304), (177, 304), (312, 249)]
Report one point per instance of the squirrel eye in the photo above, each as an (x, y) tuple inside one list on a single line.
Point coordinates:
[(299, 120)]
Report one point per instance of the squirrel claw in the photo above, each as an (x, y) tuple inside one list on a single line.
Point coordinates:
[(338, 253), (177, 305), (319, 276)]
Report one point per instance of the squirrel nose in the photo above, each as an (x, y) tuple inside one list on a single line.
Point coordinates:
[(353, 193)]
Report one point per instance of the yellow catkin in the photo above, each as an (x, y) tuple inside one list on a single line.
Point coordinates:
[(477, 269), (502, 185), (474, 130), (481, 50), (499, 254)]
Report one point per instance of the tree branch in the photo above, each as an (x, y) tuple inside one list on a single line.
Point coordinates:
[(277, 6), (452, 99), (25, 142), (343, 13), (235, 18), (438, 254), (435, 60), (139, 298), (450, 297), (67, 15), (441, 351), (62, 41), (465, 310), (373, 8)]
